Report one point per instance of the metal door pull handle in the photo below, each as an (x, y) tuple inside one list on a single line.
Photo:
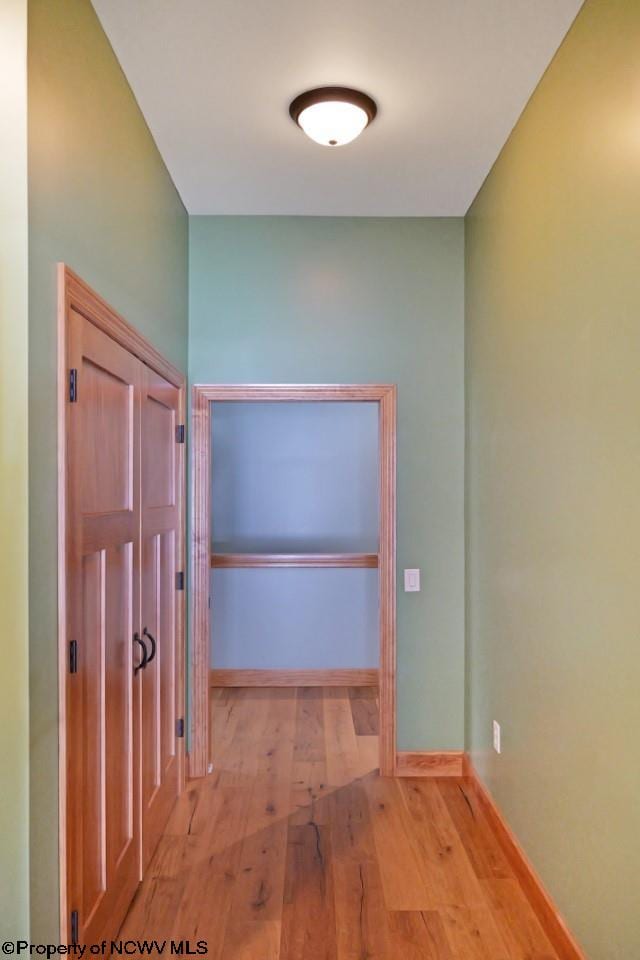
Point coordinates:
[(144, 661), (153, 645)]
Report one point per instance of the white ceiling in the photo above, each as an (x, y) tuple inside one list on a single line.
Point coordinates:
[(214, 79)]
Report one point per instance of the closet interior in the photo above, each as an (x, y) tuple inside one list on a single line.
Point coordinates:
[(294, 542)]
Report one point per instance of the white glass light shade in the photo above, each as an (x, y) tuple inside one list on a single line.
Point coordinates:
[(333, 123)]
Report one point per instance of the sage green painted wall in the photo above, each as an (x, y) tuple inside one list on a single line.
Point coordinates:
[(14, 680), (101, 200), (339, 300), (553, 379)]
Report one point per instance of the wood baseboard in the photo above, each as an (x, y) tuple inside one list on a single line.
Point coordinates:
[(294, 678), (550, 919), (449, 763)]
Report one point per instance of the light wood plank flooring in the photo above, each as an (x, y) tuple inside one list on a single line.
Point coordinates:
[(295, 849)]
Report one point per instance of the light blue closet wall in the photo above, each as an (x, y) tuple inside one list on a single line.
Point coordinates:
[(295, 478), (294, 619)]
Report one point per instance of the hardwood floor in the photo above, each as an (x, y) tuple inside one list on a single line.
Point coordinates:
[(295, 849)]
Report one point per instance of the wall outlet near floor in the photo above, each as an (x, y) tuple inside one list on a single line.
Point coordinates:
[(412, 581), (496, 737)]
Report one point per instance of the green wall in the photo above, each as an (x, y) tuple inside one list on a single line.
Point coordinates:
[(553, 387), (101, 200), (303, 299), (14, 693)]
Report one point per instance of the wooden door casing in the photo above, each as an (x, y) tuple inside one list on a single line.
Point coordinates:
[(204, 398), (160, 469), (103, 610)]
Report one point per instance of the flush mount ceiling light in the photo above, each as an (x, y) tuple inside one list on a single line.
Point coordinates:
[(333, 116)]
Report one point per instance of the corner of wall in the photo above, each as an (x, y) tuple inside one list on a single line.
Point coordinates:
[(14, 690)]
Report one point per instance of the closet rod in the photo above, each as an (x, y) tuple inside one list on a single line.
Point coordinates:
[(229, 560)]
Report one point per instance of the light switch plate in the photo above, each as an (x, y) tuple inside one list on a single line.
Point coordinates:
[(412, 581)]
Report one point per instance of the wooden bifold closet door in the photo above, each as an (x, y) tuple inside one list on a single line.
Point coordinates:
[(123, 694), (103, 820)]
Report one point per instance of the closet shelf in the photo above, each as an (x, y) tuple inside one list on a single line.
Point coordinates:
[(229, 560)]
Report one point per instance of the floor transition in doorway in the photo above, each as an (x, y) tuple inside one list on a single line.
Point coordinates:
[(295, 849)]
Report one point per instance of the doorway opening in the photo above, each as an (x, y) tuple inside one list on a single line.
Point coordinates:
[(373, 560)]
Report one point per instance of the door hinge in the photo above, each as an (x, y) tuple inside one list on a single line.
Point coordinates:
[(74, 926), (180, 727), (180, 580), (180, 433), (73, 656), (73, 386)]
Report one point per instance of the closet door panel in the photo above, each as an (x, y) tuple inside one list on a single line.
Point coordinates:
[(91, 762), (119, 720), (150, 675), (103, 840), (160, 478), (167, 666)]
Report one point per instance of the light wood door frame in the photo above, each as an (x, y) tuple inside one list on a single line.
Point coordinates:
[(203, 396), (77, 296)]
